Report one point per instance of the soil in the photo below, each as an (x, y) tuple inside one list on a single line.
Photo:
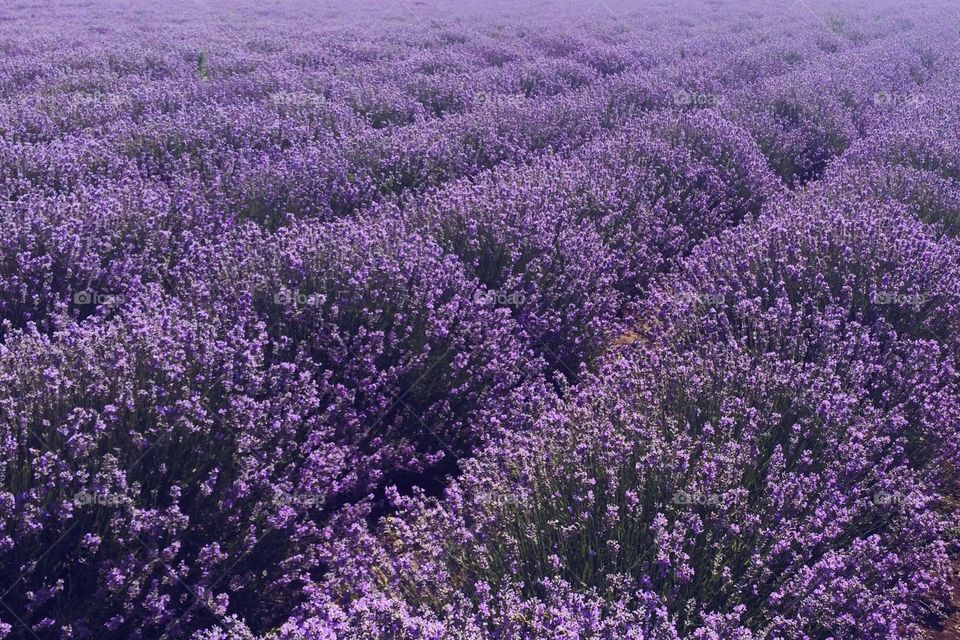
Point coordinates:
[(949, 629)]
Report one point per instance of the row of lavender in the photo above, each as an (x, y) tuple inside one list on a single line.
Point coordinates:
[(256, 313)]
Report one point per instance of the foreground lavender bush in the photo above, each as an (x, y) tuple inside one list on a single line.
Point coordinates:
[(298, 397)]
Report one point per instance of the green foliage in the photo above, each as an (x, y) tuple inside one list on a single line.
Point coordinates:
[(203, 69)]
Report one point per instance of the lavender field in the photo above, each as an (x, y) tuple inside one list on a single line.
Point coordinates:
[(468, 320)]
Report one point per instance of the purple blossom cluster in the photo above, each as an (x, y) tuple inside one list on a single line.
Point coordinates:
[(468, 320)]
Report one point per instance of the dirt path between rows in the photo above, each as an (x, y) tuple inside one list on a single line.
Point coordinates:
[(949, 629)]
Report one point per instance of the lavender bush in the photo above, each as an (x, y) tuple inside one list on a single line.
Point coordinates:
[(312, 392), (568, 243)]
